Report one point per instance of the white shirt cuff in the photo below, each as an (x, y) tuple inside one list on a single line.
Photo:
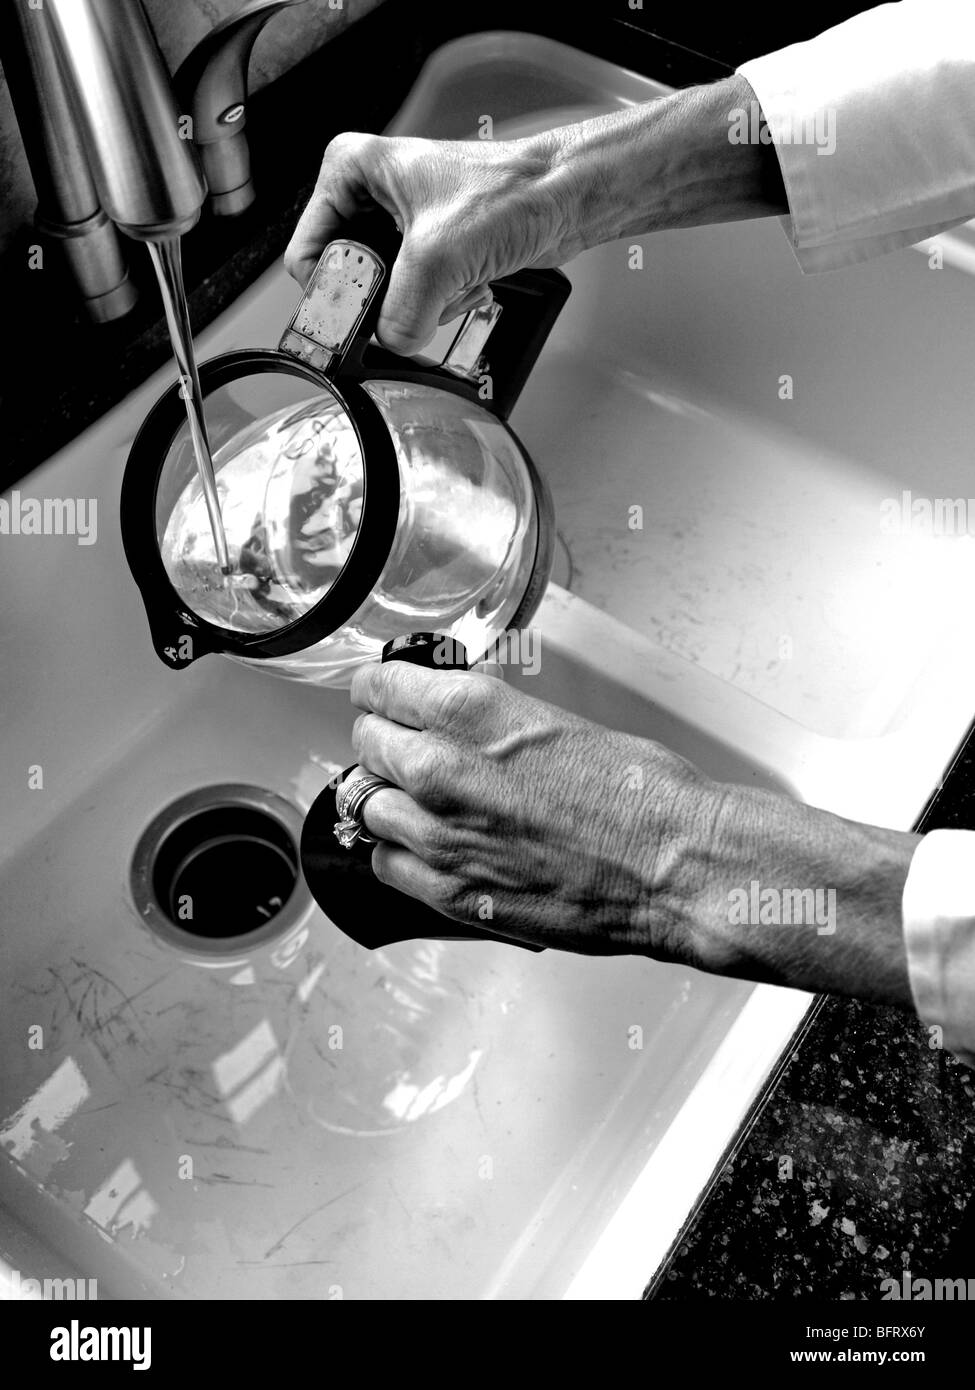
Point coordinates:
[(874, 128), (939, 933)]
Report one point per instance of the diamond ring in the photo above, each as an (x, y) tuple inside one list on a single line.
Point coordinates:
[(349, 829)]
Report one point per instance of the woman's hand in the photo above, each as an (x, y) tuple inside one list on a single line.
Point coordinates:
[(470, 212), (511, 813)]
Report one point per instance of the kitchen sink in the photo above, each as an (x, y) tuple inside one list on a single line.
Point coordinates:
[(288, 1115)]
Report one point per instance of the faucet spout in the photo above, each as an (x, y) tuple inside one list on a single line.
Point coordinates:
[(147, 174), (145, 167)]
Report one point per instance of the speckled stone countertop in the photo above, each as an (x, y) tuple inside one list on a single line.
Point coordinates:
[(858, 1163), (858, 1167)]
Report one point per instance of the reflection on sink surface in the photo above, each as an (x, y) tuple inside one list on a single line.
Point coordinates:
[(467, 1120)]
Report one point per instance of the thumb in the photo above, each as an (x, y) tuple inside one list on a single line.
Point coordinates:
[(414, 301)]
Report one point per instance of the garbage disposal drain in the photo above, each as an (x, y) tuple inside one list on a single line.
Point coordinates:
[(219, 869)]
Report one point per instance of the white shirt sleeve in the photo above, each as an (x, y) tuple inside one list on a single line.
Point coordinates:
[(873, 123), (939, 933)]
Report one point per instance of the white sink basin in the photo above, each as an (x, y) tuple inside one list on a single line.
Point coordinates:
[(488, 1128)]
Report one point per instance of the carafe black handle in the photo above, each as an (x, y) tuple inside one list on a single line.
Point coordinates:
[(494, 349), (341, 880), (530, 301)]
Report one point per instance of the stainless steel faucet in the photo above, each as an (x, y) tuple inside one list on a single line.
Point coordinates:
[(148, 175), (106, 138), (69, 212), (212, 84)]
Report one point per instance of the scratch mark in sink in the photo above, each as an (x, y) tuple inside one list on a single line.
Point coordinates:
[(393, 1190), (329, 1061), (282, 1264), (126, 999), (224, 1141), (184, 1089), (226, 1180), (101, 1012), (273, 1250), (87, 1027)]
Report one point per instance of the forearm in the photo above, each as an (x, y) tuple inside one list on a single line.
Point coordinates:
[(774, 860), (668, 163)]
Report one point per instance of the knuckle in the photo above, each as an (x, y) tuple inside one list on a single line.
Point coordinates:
[(464, 699), (371, 688), (439, 847), (458, 899), (382, 681), (360, 731), (361, 690), (351, 144), (430, 774), (427, 254)]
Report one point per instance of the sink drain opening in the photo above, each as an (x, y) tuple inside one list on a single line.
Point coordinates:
[(225, 871), (220, 868)]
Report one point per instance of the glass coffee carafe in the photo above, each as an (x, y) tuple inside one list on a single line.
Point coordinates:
[(363, 495)]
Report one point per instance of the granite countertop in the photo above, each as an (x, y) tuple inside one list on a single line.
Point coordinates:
[(857, 1163), (857, 1168)]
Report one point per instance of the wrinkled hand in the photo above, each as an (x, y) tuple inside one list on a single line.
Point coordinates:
[(470, 212), (541, 826), (512, 814)]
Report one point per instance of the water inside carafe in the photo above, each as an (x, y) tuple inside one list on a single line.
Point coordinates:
[(290, 489)]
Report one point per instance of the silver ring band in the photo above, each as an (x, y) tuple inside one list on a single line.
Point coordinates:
[(354, 787), (349, 829)]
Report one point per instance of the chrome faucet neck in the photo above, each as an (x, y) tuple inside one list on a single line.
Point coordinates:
[(147, 174)]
